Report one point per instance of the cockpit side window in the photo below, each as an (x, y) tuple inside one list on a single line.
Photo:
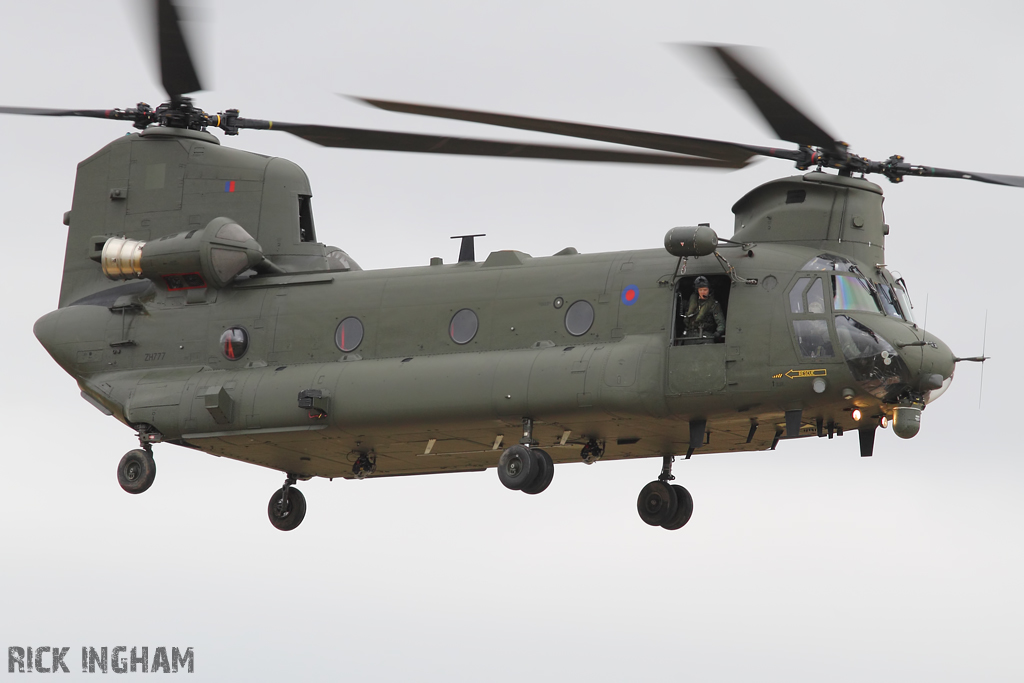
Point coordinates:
[(796, 295), (816, 298), (813, 339)]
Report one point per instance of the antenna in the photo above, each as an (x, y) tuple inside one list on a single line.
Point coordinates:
[(979, 359), (924, 331), (984, 340), (924, 327), (467, 254)]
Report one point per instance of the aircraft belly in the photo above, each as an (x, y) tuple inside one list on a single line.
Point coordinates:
[(326, 452), (431, 413)]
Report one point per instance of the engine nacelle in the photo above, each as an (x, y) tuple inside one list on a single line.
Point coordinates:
[(212, 256), (699, 240)]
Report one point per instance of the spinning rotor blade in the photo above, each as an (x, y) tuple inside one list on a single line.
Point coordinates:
[(732, 155), (34, 111), (358, 138), (992, 178), (177, 72), (788, 122)]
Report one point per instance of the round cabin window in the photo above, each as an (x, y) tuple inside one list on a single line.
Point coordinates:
[(579, 318), (463, 326), (349, 334), (234, 343)]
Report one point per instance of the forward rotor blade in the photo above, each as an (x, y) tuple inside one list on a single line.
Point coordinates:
[(736, 155), (358, 138), (35, 111), (177, 72), (788, 122)]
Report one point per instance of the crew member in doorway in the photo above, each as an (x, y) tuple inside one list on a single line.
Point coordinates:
[(703, 316)]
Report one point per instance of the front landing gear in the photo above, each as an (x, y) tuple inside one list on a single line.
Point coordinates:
[(669, 506), (524, 468), (137, 470), (287, 506), (529, 470)]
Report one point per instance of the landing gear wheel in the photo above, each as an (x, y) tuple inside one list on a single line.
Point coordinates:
[(657, 503), (286, 516), (517, 467), (546, 471), (136, 471), (684, 510)]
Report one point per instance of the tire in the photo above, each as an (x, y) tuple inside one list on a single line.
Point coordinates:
[(287, 519), (136, 471), (517, 467), (657, 503), (546, 472), (684, 511)]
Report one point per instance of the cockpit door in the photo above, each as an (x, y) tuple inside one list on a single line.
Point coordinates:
[(810, 320)]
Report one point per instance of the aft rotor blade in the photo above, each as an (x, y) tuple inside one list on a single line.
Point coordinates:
[(358, 138), (735, 154), (788, 122), (177, 72)]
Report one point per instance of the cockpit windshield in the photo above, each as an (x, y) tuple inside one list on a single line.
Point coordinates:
[(905, 304), (854, 294), (887, 297), (831, 262)]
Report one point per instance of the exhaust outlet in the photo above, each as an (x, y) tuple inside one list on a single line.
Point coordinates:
[(121, 258)]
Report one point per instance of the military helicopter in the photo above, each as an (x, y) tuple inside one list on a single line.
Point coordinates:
[(198, 308)]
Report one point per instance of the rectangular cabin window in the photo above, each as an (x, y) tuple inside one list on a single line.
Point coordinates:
[(306, 231)]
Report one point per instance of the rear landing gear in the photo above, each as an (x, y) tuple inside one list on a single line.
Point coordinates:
[(660, 503), (287, 506), (137, 470)]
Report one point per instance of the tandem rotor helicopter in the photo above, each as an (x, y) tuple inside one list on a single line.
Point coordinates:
[(198, 308)]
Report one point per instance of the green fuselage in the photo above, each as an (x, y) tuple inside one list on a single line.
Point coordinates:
[(413, 399)]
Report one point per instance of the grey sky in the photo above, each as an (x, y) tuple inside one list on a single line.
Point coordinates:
[(805, 564)]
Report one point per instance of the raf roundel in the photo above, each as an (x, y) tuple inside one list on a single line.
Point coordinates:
[(630, 294)]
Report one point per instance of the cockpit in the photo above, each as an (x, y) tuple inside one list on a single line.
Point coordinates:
[(842, 332)]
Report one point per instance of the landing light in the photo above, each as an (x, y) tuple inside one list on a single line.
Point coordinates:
[(856, 414), (883, 422)]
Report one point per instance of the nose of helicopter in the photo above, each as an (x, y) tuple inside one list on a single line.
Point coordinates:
[(935, 368), (898, 364), (927, 381)]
